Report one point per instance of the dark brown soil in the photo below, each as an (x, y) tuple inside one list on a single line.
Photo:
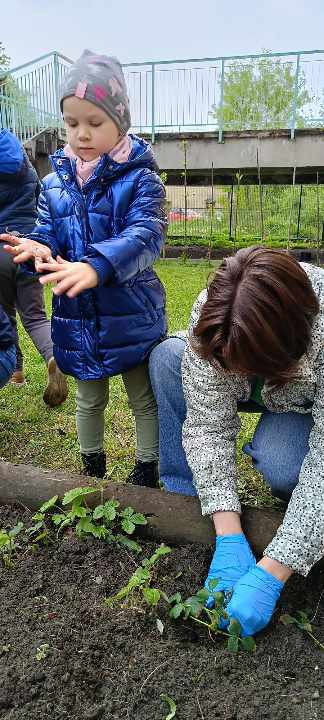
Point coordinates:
[(114, 664)]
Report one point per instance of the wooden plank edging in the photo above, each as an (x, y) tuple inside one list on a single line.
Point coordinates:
[(171, 517)]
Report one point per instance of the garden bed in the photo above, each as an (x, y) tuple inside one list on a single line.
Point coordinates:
[(114, 663)]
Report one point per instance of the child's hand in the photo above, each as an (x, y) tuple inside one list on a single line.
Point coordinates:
[(71, 277), (23, 249)]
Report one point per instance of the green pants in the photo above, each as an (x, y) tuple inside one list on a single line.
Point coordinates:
[(92, 399)]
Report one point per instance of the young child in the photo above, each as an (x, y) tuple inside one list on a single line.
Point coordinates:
[(7, 349), (101, 217), (19, 189)]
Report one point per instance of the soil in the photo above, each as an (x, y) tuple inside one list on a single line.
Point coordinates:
[(114, 663)]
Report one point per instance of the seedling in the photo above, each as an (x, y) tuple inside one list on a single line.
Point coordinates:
[(303, 623), (140, 581), (172, 706), (8, 545), (104, 522), (42, 652), (193, 608)]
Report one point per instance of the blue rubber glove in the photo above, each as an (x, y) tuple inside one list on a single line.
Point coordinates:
[(253, 601), (232, 559)]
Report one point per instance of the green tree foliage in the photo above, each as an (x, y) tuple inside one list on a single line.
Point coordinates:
[(4, 58), (259, 94)]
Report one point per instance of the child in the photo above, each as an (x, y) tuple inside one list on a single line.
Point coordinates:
[(7, 349), (19, 189), (101, 217)]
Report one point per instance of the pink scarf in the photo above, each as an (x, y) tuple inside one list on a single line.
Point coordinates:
[(84, 169)]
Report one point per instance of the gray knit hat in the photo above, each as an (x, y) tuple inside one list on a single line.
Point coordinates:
[(100, 80)]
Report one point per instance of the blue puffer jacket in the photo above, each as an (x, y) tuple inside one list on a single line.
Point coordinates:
[(6, 331), (117, 224), (19, 186)]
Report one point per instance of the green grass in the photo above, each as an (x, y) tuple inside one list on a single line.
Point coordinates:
[(33, 433)]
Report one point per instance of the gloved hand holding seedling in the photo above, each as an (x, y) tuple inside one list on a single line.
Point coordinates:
[(232, 559)]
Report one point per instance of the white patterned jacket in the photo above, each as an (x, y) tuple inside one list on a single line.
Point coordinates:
[(212, 424)]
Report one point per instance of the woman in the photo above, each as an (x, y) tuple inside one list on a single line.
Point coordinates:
[(256, 341)]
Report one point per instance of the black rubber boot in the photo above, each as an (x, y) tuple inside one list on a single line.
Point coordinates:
[(94, 464), (145, 474)]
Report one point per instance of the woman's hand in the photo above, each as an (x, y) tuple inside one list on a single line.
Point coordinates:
[(254, 600), (232, 559), (22, 249), (70, 277)]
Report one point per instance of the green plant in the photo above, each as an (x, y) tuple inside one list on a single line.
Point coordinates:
[(194, 608), (140, 581), (8, 545), (172, 706), (104, 522), (302, 621), (42, 651)]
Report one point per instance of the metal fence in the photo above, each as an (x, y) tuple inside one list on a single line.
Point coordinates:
[(224, 93), (219, 216)]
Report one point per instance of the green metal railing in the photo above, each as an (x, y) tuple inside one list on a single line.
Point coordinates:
[(243, 92)]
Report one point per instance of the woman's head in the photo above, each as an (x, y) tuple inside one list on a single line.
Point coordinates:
[(258, 316), (95, 105)]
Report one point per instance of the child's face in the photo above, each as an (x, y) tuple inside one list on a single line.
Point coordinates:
[(90, 131)]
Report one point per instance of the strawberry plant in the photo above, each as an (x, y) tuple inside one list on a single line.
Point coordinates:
[(303, 623), (193, 608)]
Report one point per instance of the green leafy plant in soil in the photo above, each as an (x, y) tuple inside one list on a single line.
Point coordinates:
[(193, 608), (172, 706), (301, 621), (104, 522)]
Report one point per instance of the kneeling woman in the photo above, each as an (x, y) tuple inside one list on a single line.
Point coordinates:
[(255, 341)]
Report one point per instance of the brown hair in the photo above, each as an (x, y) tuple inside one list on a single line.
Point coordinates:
[(258, 316)]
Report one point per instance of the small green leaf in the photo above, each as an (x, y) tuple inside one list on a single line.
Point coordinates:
[(213, 583), (58, 518), (287, 619), (203, 595), (79, 492), (48, 504), (194, 605), (38, 516), (98, 512), (4, 538), (176, 611), (128, 543), (234, 628), (86, 526), (139, 519), (128, 526), (16, 530), (248, 643), (233, 643), (152, 596), (161, 550), (176, 598), (172, 706)]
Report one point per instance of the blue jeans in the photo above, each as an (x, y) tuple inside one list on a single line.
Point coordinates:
[(7, 364), (277, 449)]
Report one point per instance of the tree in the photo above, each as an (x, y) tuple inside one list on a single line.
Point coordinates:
[(260, 94), (4, 59)]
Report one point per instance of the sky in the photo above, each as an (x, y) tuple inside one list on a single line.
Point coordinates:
[(141, 30)]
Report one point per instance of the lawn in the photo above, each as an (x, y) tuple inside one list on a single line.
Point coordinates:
[(33, 433)]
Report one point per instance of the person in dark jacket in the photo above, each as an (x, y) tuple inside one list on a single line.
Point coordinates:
[(101, 216), (7, 349), (19, 189)]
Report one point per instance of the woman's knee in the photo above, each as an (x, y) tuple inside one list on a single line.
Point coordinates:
[(165, 361), (278, 449)]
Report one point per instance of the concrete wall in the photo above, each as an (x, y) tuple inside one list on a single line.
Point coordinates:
[(275, 152)]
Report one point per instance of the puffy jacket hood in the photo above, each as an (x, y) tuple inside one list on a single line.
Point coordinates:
[(11, 153)]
